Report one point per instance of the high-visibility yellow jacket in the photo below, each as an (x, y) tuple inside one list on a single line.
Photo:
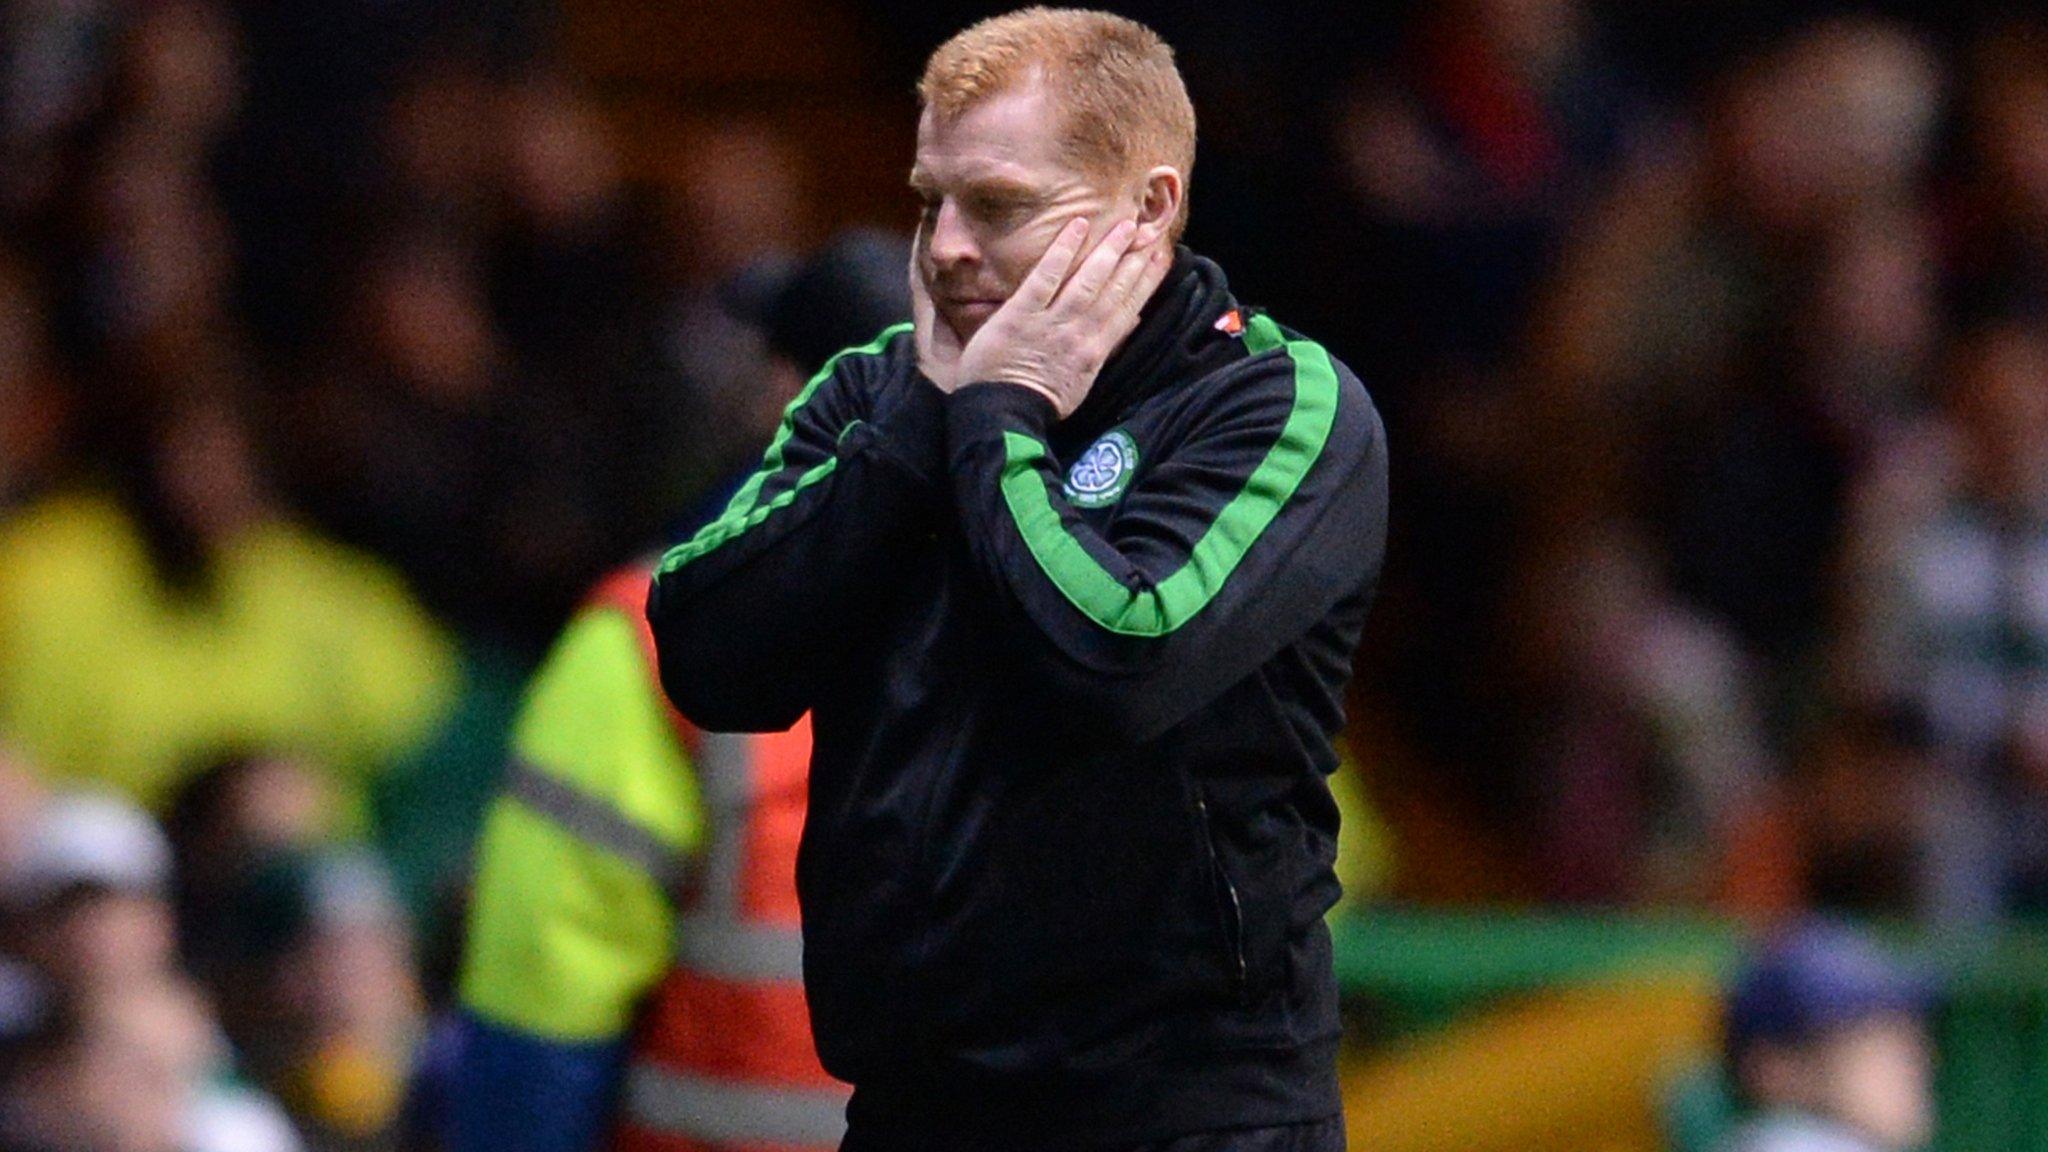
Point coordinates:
[(633, 968)]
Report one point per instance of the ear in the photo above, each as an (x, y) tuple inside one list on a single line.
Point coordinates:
[(1159, 200)]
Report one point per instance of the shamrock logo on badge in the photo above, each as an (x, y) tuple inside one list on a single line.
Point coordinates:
[(1102, 473)]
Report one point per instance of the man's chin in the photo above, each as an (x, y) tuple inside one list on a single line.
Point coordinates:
[(966, 319)]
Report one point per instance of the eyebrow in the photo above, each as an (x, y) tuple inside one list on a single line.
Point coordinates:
[(990, 187)]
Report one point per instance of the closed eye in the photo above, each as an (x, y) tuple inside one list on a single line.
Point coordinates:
[(1000, 210)]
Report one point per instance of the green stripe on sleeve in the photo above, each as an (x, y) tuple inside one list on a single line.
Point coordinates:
[(1174, 601), (741, 515)]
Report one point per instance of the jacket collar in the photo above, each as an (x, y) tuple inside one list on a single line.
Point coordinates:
[(1177, 339)]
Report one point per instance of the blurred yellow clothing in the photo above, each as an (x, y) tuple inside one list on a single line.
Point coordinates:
[(306, 648)]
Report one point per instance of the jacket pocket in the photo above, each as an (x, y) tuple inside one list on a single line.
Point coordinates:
[(1229, 901)]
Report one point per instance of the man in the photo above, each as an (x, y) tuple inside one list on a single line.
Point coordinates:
[(632, 978), (1827, 1048), (91, 894), (1069, 577)]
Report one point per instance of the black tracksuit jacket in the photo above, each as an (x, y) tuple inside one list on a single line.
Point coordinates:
[(1073, 685)]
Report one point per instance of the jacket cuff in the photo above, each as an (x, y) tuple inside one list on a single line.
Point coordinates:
[(978, 414), (912, 433)]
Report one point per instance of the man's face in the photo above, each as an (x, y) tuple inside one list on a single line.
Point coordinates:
[(99, 938), (997, 189), (1878, 1080)]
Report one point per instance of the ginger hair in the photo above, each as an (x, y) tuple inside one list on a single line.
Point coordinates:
[(1115, 81)]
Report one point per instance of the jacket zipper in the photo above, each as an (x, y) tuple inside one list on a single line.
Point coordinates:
[(1241, 975)]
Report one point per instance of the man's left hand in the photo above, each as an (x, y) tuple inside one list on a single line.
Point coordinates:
[(1055, 333)]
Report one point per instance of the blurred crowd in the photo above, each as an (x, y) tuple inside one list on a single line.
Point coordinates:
[(337, 360), (1721, 575), (229, 979), (340, 353)]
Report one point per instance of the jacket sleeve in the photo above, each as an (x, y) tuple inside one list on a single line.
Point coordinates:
[(746, 612), (1270, 513)]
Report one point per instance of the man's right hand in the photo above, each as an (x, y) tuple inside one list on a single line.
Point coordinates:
[(938, 346)]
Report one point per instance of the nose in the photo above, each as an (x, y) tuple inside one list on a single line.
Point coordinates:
[(951, 242)]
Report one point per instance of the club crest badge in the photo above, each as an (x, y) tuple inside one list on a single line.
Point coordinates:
[(1103, 472)]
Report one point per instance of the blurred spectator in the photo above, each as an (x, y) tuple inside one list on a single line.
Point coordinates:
[(137, 1068), (1948, 614), (1647, 764), (322, 997), (802, 312), (741, 203), (244, 807), (1873, 324), (579, 298), (91, 895), (1827, 1048), (235, 814), (1691, 261), (1751, 492), (1462, 162), (742, 198), (564, 194), (144, 290), (182, 68), (75, 1088), (147, 626), (1467, 153), (838, 297), (487, 486), (1998, 219)]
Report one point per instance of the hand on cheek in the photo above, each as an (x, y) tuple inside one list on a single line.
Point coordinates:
[(1071, 312)]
